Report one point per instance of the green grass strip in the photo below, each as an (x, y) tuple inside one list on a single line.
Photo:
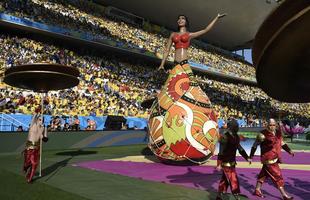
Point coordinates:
[(14, 187)]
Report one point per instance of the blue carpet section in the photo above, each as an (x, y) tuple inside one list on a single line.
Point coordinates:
[(129, 141), (106, 138)]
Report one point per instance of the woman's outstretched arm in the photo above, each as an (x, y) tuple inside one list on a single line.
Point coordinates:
[(208, 28)]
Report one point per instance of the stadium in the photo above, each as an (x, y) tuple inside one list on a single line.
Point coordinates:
[(126, 118)]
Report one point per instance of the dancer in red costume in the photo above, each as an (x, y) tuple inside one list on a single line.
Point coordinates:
[(229, 143), (271, 142), (32, 149)]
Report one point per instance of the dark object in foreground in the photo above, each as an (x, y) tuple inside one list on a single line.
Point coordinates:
[(148, 102), (42, 77), (281, 52)]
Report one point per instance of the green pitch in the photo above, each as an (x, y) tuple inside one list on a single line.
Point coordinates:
[(62, 181)]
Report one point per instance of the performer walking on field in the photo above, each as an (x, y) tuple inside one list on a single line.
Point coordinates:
[(271, 143), (37, 132), (226, 160)]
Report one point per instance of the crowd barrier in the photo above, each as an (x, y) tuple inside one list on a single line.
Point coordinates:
[(10, 122)]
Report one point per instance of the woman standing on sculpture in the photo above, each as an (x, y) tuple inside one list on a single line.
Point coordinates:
[(182, 39), (182, 123)]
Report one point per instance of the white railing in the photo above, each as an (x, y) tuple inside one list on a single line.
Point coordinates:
[(11, 120)]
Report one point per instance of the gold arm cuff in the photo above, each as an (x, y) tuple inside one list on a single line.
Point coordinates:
[(228, 164), (269, 162), (260, 137)]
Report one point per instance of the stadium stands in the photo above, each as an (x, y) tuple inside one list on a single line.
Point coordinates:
[(73, 15), (113, 84)]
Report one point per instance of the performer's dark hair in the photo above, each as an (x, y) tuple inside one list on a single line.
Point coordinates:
[(232, 123), (187, 22)]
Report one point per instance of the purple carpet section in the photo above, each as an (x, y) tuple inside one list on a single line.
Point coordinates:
[(297, 182), (299, 158)]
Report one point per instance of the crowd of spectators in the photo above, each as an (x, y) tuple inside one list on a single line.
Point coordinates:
[(111, 85), (107, 86), (65, 123), (83, 16), (249, 103)]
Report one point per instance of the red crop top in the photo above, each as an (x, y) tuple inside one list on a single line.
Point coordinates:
[(181, 40)]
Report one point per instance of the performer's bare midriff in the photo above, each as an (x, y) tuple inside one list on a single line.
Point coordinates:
[(182, 39), (174, 120), (37, 132), (180, 55)]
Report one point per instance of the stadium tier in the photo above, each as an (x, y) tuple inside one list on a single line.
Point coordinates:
[(76, 16), (112, 84)]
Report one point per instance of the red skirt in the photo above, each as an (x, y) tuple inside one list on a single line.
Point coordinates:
[(229, 178), (274, 172), (31, 160)]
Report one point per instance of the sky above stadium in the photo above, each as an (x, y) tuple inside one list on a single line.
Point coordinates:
[(247, 55)]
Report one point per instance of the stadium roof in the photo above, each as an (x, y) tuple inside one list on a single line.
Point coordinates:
[(236, 31)]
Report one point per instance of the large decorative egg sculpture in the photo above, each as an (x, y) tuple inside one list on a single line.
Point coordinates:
[(182, 124)]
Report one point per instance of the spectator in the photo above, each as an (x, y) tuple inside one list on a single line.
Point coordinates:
[(91, 125), (20, 129)]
